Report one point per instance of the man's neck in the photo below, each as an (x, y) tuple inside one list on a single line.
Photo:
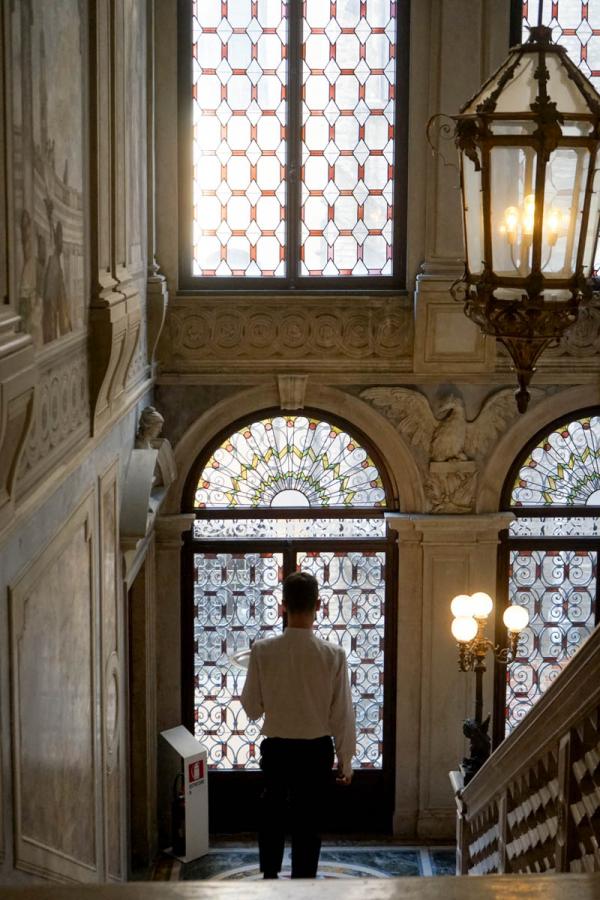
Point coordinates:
[(300, 621)]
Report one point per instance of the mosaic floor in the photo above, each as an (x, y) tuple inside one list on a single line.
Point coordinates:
[(354, 861)]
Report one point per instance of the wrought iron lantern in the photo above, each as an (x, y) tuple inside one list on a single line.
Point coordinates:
[(530, 188)]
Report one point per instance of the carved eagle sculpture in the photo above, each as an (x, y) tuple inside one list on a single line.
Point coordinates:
[(445, 435)]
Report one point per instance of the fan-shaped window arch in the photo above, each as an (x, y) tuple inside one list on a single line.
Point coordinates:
[(289, 461), (552, 556), (280, 492)]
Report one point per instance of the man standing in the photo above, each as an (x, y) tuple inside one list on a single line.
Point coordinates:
[(301, 685)]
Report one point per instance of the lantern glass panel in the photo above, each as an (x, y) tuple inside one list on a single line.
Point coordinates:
[(520, 92), (564, 193), (472, 198), (562, 89), (591, 237), (512, 188)]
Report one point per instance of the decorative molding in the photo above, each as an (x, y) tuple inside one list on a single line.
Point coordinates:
[(300, 331), (112, 688), (60, 415), (445, 340), (115, 322), (449, 448), (17, 383), (53, 705), (292, 390), (157, 301)]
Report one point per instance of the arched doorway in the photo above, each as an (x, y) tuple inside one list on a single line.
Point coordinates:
[(550, 558), (277, 493)]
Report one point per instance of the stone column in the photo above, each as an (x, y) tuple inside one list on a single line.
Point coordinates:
[(439, 557), (467, 41), (169, 532)]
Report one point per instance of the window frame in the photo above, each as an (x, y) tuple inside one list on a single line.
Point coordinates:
[(554, 542), (196, 284)]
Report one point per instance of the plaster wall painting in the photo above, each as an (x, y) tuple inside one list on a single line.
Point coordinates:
[(48, 142)]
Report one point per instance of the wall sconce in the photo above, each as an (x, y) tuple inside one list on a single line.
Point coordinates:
[(471, 613)]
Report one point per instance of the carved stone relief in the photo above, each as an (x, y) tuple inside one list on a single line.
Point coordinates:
[(53, 707), (261, 330), (448, 447), (60, 417)]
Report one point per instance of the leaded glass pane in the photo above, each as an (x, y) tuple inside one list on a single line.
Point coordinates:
[(352, 590), (348, 93), (239, 86), (290, 461), (555, 526), (558, 588), (236, 601), (564, 468), (211, 529)]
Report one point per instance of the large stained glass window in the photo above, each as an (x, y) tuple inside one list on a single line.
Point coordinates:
[(313, 483), (290, 461), (294, 127), (553, 556), (576, 26)]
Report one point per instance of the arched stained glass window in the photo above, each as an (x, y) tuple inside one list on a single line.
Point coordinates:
[(553, 556), (289, 461), (282, 493), (563, 469)]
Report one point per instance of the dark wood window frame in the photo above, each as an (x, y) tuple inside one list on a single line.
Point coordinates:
[(190, 284), (368, 784), (508, 543)]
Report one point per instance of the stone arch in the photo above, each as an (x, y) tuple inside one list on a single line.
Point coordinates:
[(402, 472), (499, 463)]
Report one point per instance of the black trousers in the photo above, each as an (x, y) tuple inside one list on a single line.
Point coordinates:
[(297, 782)]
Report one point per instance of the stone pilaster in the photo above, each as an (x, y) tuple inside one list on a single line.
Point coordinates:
[(439, 557)]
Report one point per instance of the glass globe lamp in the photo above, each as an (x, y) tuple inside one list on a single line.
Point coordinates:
[(482, 604), (464, 629), (530, 183), (461, 605), (516, 618)]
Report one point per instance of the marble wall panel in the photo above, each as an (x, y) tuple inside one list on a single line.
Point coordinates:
[(52, 631), (112, 680), (48, 165)]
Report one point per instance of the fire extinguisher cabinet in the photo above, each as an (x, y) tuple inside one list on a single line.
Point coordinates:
[(195, 790)]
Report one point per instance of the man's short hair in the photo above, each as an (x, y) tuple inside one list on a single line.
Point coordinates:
[(300, 592)]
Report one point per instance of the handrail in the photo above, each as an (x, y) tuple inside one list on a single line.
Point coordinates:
[(535, 804)]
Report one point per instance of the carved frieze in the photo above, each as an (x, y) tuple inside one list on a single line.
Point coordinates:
[(60, 415), (17, 379), (448, 447), (259, 330)]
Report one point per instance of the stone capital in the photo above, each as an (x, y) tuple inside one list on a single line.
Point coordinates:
[(169, 530), (450, 529)]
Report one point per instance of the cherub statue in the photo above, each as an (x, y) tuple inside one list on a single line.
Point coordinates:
[(147, 438)]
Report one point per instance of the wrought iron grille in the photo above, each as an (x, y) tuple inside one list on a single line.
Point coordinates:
[(552, 558)]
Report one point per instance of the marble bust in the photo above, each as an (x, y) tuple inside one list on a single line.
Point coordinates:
[(148, 438)]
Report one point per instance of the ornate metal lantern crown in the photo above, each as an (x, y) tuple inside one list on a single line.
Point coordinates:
[(527, 143)]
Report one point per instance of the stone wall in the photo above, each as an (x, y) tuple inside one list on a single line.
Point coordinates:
[(74, 371)]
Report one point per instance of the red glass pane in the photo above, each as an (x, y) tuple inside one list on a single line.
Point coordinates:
[(348, 93), (239, 90)]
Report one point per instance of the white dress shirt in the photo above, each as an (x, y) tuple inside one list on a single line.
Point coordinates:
[(301, 684)]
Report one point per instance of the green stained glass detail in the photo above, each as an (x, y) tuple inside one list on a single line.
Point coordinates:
[(563, 469), (290, 461)]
